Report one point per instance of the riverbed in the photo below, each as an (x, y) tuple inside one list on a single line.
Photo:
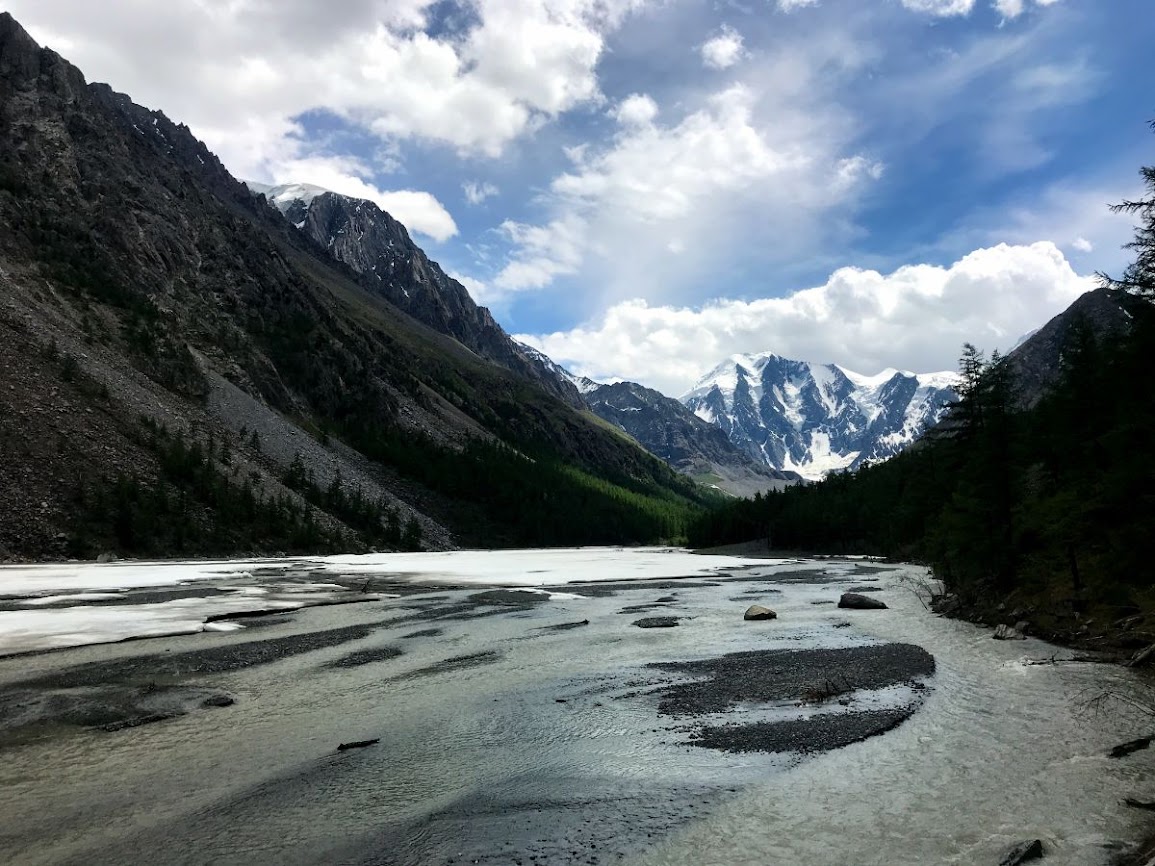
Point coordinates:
[(527, 710)]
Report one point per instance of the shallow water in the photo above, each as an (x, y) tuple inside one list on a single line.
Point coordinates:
[(550, 748)]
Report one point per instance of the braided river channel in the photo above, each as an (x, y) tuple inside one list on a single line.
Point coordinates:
[(596, 706)]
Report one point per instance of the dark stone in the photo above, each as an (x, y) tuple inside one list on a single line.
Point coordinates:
[(657, 622), (1130, 747), (218, 701), (757, 611), (855, 601), (1023, 853)]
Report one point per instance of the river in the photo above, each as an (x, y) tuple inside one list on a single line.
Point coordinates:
[(533, 727)]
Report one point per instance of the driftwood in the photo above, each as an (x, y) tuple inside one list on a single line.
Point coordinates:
[(359, 744)]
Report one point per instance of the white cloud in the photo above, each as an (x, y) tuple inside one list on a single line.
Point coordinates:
[(914, 318), (420, 211), (723, 50), (476, 82), (1010, 8), (476, 193), (544, 252), (637, 109), (687, 178), (791, 5), (1082, 245), (941, 8)]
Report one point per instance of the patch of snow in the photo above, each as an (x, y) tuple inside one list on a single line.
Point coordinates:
[(78, 597)]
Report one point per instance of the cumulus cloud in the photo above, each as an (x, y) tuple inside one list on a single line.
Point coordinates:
[(1082, 245), (723, 50), (915, 318), (1010, 9), (655, 180), (475, 82), (544, 252), (791, 5), (476, 193), (637, 109)]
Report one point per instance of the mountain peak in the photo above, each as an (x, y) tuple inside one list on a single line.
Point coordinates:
[(19, 52), (284, 194), (816, 418)]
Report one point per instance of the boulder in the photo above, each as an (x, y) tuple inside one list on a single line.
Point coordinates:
[(857, 601), (1024, 852), (946, 604), (756, 611), (1006, 632)]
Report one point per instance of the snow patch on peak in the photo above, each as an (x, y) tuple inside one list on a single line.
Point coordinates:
[(285, 194), (584, 384)]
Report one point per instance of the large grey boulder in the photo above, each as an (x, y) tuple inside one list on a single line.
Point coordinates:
[(757, 611), (857, 601)]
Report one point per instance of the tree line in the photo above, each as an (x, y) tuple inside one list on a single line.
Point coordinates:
[(1055, 502)]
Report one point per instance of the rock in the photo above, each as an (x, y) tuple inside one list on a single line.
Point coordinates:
[(1124, 749), (856, 601), (1022, 626), (946, 604), (1146, 805), (1023, 853), (1006, 632), (1142, 657), (756, 611), (657, 622), (218, 701), (107, 556)]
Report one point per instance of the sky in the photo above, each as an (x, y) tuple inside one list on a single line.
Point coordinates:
[(642, 188)]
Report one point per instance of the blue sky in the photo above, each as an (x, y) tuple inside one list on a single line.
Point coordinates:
[(642, 188)]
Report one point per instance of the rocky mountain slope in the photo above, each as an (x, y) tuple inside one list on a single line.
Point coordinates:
[(669, 430), (812, 419), (379, 250), (186, 372), (1037, 362)]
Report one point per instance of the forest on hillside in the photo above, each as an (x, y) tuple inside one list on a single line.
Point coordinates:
[(1054, 505)]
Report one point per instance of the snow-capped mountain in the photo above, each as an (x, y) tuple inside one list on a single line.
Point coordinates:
[(817, 418)]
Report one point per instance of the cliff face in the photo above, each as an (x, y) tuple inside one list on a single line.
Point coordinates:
[(1037, 363), (175, 346), (379, 250)]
